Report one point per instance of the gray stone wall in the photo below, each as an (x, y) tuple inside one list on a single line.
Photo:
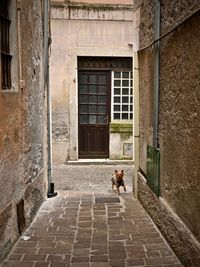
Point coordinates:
[(171, 226), (179, 116), (179, 122), (22, 126)]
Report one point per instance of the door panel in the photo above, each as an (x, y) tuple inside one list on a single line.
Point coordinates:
[(94, 114)]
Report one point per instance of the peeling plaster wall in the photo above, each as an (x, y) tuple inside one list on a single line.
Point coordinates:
[(80, 30), (179, 127), (22, 126)]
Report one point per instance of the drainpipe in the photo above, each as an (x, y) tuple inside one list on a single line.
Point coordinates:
[(136, 122), (47, 43), (156, 77), (19, 42)]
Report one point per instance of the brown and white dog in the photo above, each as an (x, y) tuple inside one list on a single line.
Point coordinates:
[(118, 180)]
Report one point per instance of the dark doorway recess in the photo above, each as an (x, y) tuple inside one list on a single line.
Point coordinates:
[(20, 216), (94, 114)]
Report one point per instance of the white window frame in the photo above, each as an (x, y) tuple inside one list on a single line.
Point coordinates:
[(121, 95)]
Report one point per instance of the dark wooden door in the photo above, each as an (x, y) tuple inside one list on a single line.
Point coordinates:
[(94, 114)]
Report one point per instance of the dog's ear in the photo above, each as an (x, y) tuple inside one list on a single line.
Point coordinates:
[(122, 171), (116, 171)]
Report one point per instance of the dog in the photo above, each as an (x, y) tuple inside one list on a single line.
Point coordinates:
[(118, 180)]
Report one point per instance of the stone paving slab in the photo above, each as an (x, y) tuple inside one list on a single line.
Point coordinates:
[(71, 230)]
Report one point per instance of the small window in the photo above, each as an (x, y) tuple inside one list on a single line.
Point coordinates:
[(122, 99), (5, 45)]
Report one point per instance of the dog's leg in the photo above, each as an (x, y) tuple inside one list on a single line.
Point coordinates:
[(113, 183), (118, 192), (112, 186)]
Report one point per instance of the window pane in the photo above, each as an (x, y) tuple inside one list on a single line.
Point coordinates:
[(116, 99), (83, 99), (84, 119), (102, 79), (102, 99), (125, 108), (83, 109), (131, 116), (83, 89), (92, 119), (102, 119), (117, 91), (117, 83), (83, 78), (116, 107), (125, 83), (117, 74), (5, 46), (116, 116), (92, 89), (125, 99), (102, 109), (131, 83), (125, 116), (125, 91), (131, 74), (122, 95), (102, 89), (92, 99), (93, 79), (125, 74), (92, 108)]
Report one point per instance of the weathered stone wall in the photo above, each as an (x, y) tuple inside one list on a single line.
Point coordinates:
[(179, 116), (146, 104), (171, 226), (179, 122), (22, 124)]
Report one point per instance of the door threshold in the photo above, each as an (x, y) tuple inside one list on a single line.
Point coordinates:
[(99, 162)]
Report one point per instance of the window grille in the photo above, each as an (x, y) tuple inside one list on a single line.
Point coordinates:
[(5, 45), (122, 95)]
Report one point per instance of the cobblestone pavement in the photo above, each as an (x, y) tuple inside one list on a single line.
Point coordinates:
[(89, 178), (85, 229)]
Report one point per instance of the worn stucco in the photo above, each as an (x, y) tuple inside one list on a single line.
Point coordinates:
[(179, 116), (121, 140), (22, 124), (80, 30), (110, 2)]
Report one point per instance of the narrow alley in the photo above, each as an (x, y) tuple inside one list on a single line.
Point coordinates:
[(92, 228), (89, 88)]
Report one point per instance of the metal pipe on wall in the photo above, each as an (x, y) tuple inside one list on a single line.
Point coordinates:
[(136, 122), (156, 77), (19, 43), (47, 39)]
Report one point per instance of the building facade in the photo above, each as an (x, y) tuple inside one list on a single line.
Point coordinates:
[(169, 115), (91, 79), (22, 117)]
